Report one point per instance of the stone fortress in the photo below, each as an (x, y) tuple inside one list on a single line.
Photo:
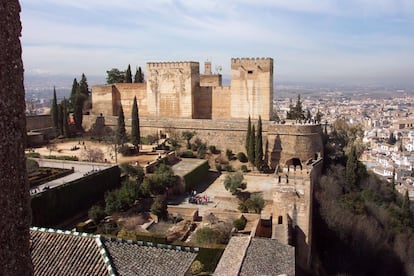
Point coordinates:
[(176, 97)]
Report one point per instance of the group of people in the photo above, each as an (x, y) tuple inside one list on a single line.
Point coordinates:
[(198, 199)]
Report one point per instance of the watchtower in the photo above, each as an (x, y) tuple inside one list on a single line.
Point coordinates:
[(251, 88)]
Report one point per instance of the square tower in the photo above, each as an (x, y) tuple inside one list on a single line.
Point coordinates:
[(170, 88), (251, 88)]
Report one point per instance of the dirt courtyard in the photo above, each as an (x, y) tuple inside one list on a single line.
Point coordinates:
[(221, 200), (66, 149)]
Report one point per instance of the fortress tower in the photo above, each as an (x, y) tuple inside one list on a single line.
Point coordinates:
[(251, 88), (170, 88)]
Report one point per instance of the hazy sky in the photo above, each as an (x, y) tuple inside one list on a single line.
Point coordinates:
[(357, 41)]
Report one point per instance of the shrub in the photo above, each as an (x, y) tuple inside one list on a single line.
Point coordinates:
[(33, 155), (96, 213), (234, 183), (196, 267), (229, 154), (207, 235), (125, 150), (244, 168), (218, 167), (159, 207), (239, 224), (213, 149), (241, 157), (229, 168), (187, 154), (243, 208)]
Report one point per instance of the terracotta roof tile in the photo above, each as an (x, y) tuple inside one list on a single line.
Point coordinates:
[(63, 253), (135, 259)]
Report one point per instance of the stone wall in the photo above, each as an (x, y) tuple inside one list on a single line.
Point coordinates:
[(210, 80), (221, 99), (203, 103), (292, 208), (282, 141), (102, 100), (38, 122), (290, 140)]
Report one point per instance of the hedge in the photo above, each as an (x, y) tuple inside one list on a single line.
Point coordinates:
[(58, 204), (192, 178)]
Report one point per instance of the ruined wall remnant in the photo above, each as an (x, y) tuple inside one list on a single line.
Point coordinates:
[(15, 211)]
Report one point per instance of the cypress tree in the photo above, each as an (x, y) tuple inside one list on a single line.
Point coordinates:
[(249, 129), (77, 103), (54, 110), (351, 169), (140, 75), (259, 145), (83, 85), (252, 146), (135, 133), (65, 124), (128, 75), (60, 120), (75, 89), (121, 137), (406, 211)]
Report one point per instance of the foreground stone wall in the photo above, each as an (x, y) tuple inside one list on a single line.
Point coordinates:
[(14, 188)]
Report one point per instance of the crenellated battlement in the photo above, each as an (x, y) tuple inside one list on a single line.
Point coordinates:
[(170, 65), (253, 60)]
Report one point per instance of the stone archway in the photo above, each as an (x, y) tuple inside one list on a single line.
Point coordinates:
[(295, 162)]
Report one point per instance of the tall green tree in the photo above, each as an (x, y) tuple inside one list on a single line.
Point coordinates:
[(128, 75), (259, 145), (308, 114), (351, 171), (77, 103), (121, 136), (60, 118), (83, 86), (318, 116), (406, 210), (75, 90), (65, 124), (296, 112), (54, 110), (139, 76), (115, 76), (135, 132), (252, 146), (249, 130)]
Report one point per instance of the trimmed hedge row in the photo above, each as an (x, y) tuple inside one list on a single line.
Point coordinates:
[(192, 178), (58, 204)]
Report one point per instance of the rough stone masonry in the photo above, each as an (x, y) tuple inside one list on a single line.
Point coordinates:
[(15, 215)]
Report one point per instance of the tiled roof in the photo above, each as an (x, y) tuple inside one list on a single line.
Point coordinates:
[(56, 252), (65, 253), (135, 259), (256, 256), (268, 257), (233, 256)]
